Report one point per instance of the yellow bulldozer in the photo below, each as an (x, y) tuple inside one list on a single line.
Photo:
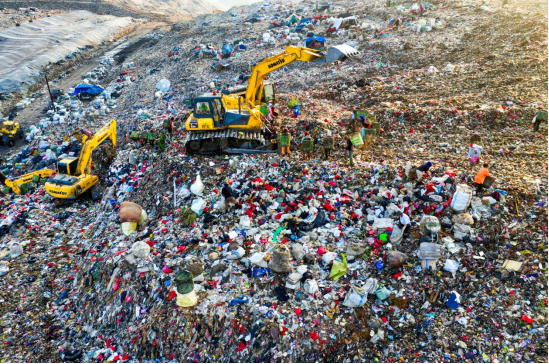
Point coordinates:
[(10, 131), (234, 122), (74, 177), (17, 185)]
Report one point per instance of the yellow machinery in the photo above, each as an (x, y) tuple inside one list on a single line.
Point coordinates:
[(81, 135), (9, 131), (16, 184), (73, 174), (232, 123)]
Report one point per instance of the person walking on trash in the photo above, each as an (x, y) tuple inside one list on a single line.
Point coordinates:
[(307, 145), (482, 174), (349, 148), (227, 193), (423, 169), (328, 144), (285, 139)]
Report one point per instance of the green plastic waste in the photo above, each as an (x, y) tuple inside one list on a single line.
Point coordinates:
[(293, 102), (277, 231), (184, 282), (339, 268), (383, 293)]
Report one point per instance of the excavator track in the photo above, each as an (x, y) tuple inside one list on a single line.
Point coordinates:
[(223, 141)]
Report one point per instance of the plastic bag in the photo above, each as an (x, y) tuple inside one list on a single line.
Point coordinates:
[(461, 231), (371, 285), (429, 251), (128, 228), (219, 204), (297, 251), (462, 198), (310, 286), (395, 259), (339, 268), (429, 255), (280, 262), (198, 206), (328, 257), (163, 85), (197, 187), (141, 249), (293, 280), (429, 225), (257, 259), (245, 222), (186, 300), (463, 219), (451, 266), (383, 293), (236, 254), (15, 250), (356, 248), (356, 297)]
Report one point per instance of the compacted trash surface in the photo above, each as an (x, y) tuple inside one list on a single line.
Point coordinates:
[(397, 254)]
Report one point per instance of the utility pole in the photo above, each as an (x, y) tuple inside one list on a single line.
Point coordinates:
[(49, 91)]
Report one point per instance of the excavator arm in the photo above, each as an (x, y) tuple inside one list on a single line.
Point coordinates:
[(84, 161), (291, 54), (26, 178)]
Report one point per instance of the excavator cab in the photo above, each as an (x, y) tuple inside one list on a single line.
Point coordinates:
[(67, 165), (268, 93), (207, 109)]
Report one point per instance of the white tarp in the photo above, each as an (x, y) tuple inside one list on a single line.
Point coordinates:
[(24, 50)]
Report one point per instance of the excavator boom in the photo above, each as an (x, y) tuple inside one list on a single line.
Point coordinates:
[(94, 142), (26, 178), (291, 54)]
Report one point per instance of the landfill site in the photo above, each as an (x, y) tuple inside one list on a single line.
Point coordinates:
[(287, 181)]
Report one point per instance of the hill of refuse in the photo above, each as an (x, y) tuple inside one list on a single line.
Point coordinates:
[(316, 261)]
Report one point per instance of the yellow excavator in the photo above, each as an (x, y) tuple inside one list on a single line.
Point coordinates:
[(81, 135), (234, 123), (74, 176), (16, 184)]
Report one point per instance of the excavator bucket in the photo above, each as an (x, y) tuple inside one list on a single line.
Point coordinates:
[(337, 53)]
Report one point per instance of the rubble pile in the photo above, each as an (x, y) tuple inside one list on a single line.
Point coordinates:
[(302, 257)]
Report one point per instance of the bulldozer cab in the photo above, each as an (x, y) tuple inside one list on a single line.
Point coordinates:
[(67, 165), (9, 126)]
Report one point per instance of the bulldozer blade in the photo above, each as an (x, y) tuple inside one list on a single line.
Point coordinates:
[(337, 53)]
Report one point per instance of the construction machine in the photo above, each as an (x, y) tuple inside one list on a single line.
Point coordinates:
[(80, 134), (74, 177), (234, 122), (9, 131), (16, 184)]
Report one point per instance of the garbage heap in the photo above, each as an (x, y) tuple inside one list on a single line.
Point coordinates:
[(314, 260)]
